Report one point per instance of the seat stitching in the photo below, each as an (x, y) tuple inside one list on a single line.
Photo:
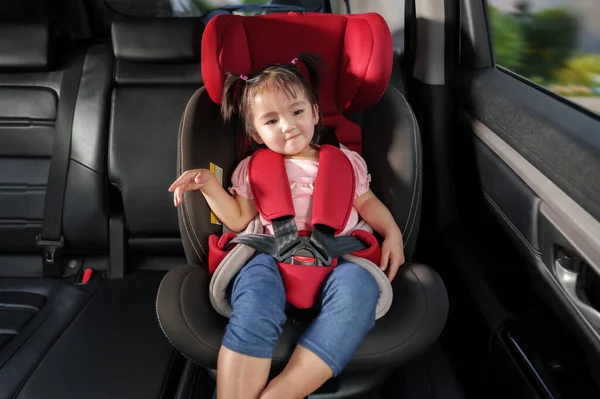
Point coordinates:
[(417, 180), (185, 211), (416, 169), (182, 316), (185, 319), (157, 314), (421, 285), (180, 153), (416, 172)]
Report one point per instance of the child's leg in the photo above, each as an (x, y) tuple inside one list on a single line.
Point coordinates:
[(240, 376), (348, 304), (258, 303)]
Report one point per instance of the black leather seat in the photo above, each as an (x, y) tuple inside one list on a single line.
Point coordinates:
[(34, 311), (157, 71), (115, 348), (101, 339), (31, 71), (392, 150)]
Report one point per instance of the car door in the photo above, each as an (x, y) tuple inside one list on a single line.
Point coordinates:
[(527, 174)]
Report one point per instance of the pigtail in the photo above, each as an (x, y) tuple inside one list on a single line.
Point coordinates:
[(314, 65), (231, 110), (230, 100)]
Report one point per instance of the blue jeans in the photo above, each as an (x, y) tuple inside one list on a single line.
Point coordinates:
[(346, 312)]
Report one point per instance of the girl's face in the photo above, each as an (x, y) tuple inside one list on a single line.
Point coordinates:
[(283, 123)]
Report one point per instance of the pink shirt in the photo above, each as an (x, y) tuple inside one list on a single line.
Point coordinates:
[(302, 174)]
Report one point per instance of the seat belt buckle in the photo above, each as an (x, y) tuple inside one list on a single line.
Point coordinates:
[(51, 250)]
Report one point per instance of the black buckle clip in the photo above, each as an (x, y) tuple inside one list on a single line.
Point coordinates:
[(304, 247), (50, 247)]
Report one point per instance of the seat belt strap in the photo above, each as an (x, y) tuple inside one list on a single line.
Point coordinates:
[(51, 239)]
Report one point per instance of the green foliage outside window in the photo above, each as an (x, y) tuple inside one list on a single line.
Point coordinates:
[(542, 46)]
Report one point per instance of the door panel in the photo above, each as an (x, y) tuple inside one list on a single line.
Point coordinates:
[(560, 140), (514, 203), (538, 168), (520, 166)]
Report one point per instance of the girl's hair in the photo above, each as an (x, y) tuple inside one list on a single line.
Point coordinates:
[(239, 92)]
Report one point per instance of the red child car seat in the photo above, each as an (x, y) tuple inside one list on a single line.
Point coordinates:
[(369, 117)]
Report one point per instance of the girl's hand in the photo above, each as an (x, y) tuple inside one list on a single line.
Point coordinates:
[(189, 180), (392, 252)]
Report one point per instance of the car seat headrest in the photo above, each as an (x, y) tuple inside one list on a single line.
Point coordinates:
[(357, 51), (25, 46), (157, 40)]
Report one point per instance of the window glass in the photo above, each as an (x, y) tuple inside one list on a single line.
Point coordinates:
[(391, 11), (555, 43), (181, 8)]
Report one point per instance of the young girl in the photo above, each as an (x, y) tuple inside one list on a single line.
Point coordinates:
[(278, 109)]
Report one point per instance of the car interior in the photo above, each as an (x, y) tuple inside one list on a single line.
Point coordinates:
[(493, 180)]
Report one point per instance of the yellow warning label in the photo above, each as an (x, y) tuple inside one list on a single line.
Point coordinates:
[(218, 173)]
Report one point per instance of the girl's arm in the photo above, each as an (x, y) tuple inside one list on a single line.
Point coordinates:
[(378, 216), (374, 212), (235, 212)]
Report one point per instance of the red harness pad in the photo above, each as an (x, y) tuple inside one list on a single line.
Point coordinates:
[(333, 196), (373, 250), (270, 185)]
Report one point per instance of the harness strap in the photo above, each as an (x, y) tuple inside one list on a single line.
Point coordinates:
[(332, 203), (269, 185), (335, 185), (324, 241)]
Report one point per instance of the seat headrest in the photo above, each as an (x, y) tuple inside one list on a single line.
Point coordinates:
[(25, 45), (357, 51), (157, 40)]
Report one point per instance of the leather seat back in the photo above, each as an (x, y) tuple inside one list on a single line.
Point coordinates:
[(392, 150), (31, 72), (157, 71)]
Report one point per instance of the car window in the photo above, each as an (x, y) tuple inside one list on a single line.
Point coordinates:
[(391, 11), (554, 43), (174, 8)]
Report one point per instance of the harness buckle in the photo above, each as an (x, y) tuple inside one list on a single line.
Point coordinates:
[(304, 253)]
